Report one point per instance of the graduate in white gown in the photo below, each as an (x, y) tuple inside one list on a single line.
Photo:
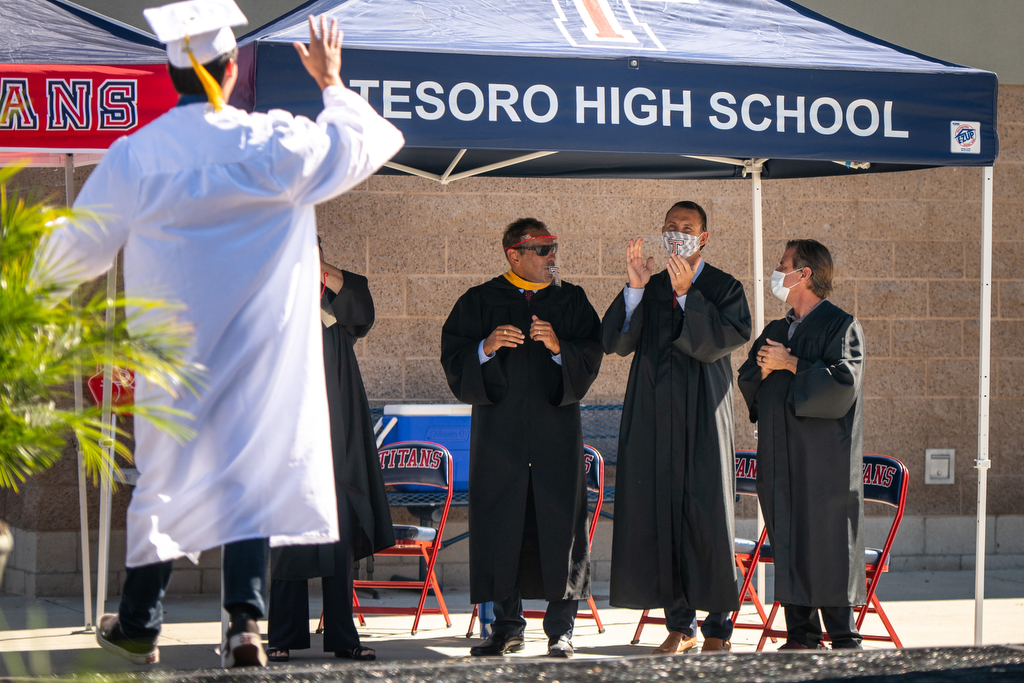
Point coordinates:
[(214, 208)]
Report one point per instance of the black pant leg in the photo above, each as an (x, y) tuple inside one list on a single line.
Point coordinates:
[(288, 625), (339, 627), (245, 577), (508, 615), (559, 619), (141, 613), (803, 625), (841, 625)]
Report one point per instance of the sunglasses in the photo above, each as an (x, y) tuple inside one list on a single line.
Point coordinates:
[(541, 249)]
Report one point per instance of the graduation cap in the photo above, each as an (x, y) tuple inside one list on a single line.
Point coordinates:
[(197, 32)]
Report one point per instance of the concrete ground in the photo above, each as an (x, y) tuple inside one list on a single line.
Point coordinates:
[(927, 609)]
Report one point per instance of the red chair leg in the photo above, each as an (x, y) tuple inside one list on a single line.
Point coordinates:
[(885, 620), (355, 603), (597, 617), (639, 628), (767, 627), (472, 620), (320, 626), (440, 599)]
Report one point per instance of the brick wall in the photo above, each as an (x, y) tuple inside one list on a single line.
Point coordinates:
[(908, 258), (907, 250)]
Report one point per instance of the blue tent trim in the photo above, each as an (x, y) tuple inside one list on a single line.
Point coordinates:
[(689, 78)]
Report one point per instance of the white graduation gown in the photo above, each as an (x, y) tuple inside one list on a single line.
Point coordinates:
[(216, 211)]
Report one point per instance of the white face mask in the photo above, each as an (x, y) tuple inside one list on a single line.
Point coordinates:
[(778, 289), (680, 243)]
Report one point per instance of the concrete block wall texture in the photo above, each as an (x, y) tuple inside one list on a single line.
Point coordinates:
[(908, 265)]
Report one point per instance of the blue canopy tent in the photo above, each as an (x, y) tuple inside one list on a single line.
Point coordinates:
[(647, 89)]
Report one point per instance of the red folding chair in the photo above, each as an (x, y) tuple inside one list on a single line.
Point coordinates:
[(745, 552), (419, 463), (748, 552), (885, 481), (594, 468)]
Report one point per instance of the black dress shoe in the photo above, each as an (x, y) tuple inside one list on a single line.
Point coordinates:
[(498, 644)]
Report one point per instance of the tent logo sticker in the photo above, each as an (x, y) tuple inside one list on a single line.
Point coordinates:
[(964, 137), (594, 22)]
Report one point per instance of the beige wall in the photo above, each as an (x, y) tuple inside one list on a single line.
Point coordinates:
[(907, 253), (908, 257)]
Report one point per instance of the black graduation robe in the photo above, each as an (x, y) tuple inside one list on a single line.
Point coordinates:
[(810, 457), (357, 475), (526, 425), (674, 487)]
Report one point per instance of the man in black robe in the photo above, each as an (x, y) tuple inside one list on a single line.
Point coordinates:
[(803, 382), (524, 352), (364, 518), (672, 542)]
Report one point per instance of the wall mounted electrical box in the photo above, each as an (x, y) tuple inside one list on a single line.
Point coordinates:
[(939, 465)]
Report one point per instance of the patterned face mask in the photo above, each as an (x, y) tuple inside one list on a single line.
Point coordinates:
[(680, 243)]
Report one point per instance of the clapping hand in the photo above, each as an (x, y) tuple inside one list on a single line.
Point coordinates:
[(681, 273), (638, 271), (544, 333)]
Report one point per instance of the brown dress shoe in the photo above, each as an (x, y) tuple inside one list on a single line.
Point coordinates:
[(675, 644), (716, 645)]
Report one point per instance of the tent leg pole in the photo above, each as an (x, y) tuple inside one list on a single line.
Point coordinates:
[(109, 437), (224, 616), (103, 550), (755, 177), (984, 363), (83, 507)]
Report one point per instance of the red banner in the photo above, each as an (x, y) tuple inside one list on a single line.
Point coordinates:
[(70, 108)]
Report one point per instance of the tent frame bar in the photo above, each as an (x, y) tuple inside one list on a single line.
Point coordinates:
[(83, 507), (754, 166), (982, 463), (447, 177)]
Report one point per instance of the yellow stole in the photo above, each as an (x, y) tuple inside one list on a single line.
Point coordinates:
[(524, 284)]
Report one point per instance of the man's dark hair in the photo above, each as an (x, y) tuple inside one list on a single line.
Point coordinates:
[(186, 81), (515, 231), (814, 255), (692, 206)]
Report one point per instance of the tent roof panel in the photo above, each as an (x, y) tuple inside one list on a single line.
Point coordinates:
[(751, 32), (59, 32)]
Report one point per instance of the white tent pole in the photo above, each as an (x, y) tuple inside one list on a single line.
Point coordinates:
[(494, 167), (412, 171), (755, 178), (448, 177), (984, 362), (83, 508), (109, 437), (451, 166)]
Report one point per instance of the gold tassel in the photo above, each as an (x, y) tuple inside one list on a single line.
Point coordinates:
[(213, 92)]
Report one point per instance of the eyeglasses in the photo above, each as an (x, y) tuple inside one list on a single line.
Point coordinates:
[(541, 249)]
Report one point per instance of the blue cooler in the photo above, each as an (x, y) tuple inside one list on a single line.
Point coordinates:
[(443, 423)]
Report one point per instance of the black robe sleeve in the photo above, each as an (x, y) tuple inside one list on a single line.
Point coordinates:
[(581, 352), (353, 305), (470, 381), (828, 387), (749, 375), (710, 332), (612, 337)]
